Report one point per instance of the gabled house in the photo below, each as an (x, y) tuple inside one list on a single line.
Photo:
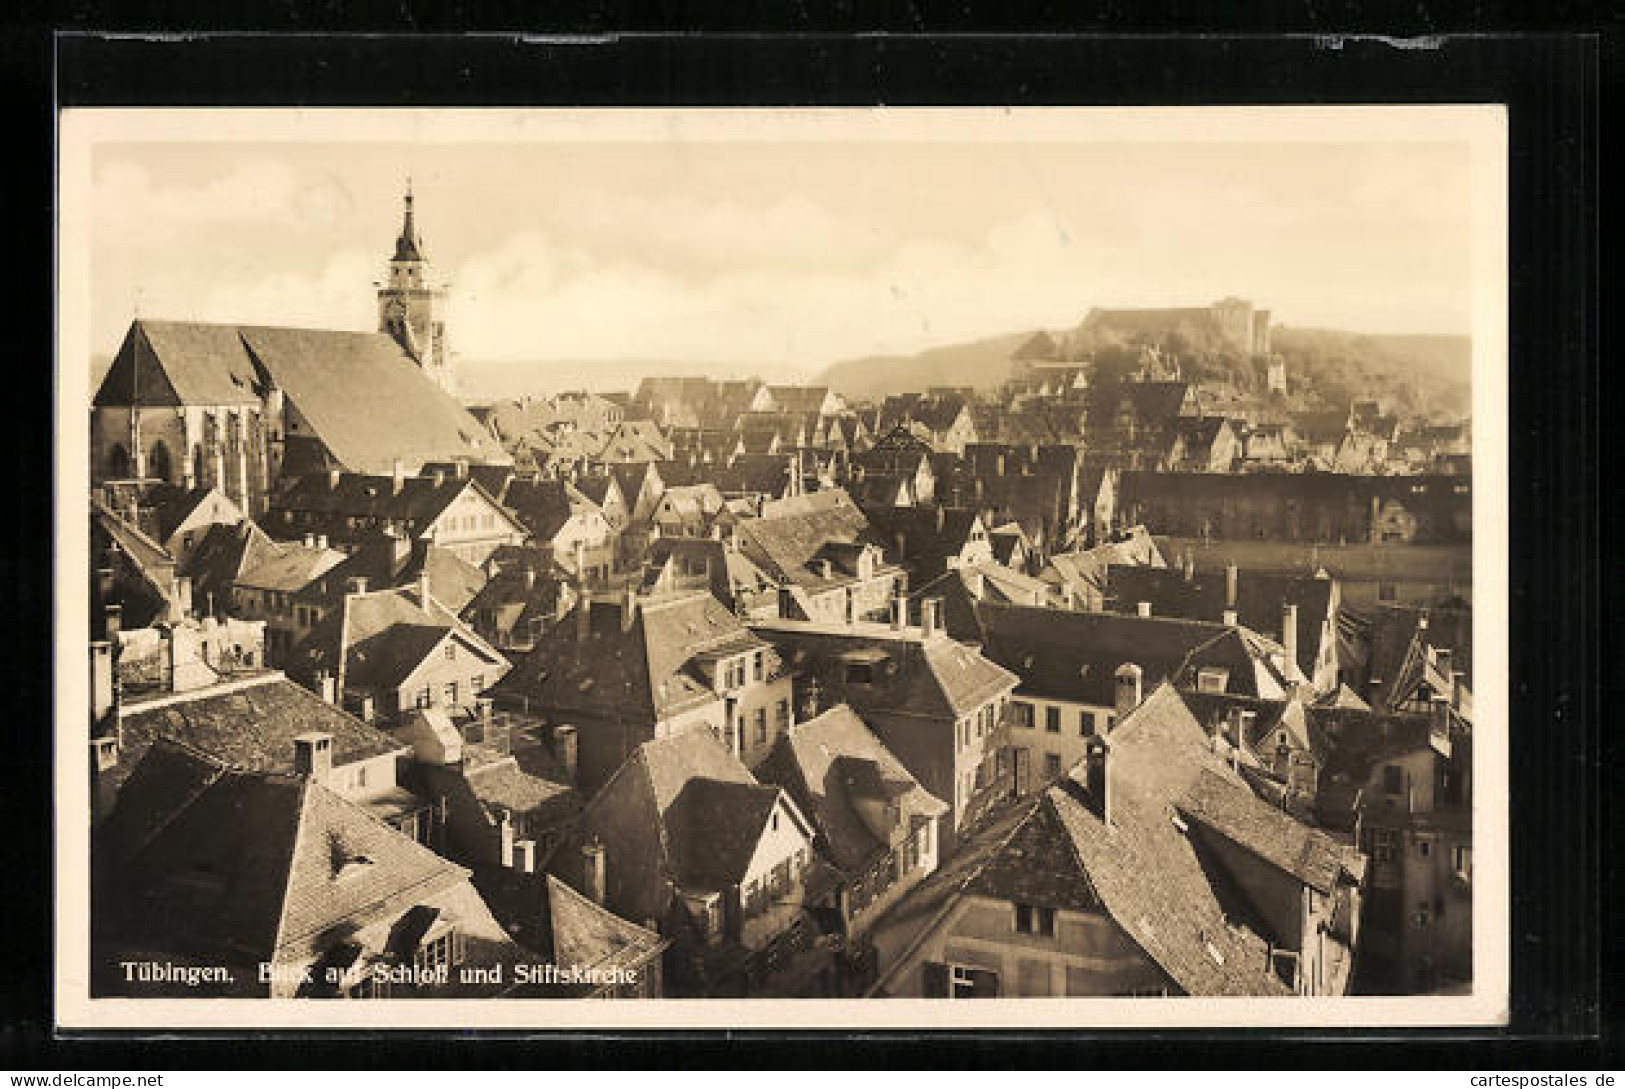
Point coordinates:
[(937, 704), (269, 582), (928, 541), (872, 820), (558, 517), (686, 510), (823, 556), (1151, 869), (1301, 611), (143, 578), (1080, 578), (384, 653), (1082, 673), (453, 512), (902, 456), (1204, 444), (266, 884), (628, 671), (388, 562), (944, 420), (684, 837), (174, 517), (820, 401), (519, 604), (679, 565)]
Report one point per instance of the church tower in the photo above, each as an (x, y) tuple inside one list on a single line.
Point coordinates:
[(410, 306)]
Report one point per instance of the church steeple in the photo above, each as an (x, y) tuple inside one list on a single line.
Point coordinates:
[(406, 246), (409, 305)]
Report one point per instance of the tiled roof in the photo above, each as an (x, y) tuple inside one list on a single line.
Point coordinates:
[(388, 562), (938, 676), (543, 504), (419, 500), (250, 726), (1088, 568), (1232, 810), (798, 398), (1074, 656), (334, 378), (286, 566), (713, 827), (383, 636), (645, 671), (785, 544), (811, 759), (504, 784), (257, 861), (563, 926), (1146, 871), (1259, 598)]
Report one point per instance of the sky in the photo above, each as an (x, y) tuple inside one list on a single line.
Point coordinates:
[(777, 256)]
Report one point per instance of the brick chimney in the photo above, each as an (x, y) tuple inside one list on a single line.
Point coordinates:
[(1289, 635), (594, 875), (313, 756), (566, 750), (930, 616), (1143, 609), (1097, 777), (1130, 678)]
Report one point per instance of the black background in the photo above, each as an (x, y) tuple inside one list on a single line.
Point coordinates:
[(1563, 761)]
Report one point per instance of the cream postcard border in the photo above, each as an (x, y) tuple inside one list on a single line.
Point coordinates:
[(1483, 127)]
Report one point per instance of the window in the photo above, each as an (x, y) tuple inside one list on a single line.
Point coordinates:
[(1052, 720), (1423, 848), (1023, 714), (438, 953), (1086, 723), (761, 725), (451, 652), (1461, 861), (1386, 591), (1383, 842), (966, 982), (476, 683), (1035, 920), (424, 697), (451, 694), (1052, 766), (759, 665), (781, 713), (858, 673), (1393, 779)]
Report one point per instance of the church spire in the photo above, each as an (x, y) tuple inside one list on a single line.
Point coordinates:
[(406, 246)]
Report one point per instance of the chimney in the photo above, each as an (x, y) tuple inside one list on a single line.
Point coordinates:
[(321, 541), (1441, 660), (327, 687), (899, 613), (1144, 608), (930, 616), (1456, 678), (593, 876), (1231, 577), (423, 584), (507, 832), (583, 618), (942, 517), (1129, 685), (524, 855), (1190, 566), (366, 708), (1246, 723), (1289, 635), (901, 540), (313, 756), (580, 552), (462, 468), (825, 569), (333, 480), (1096, 777), (565, 751), (310, 540), (112, 617), (530, 577)]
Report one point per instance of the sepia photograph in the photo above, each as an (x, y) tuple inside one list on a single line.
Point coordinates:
[(782, 567)]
